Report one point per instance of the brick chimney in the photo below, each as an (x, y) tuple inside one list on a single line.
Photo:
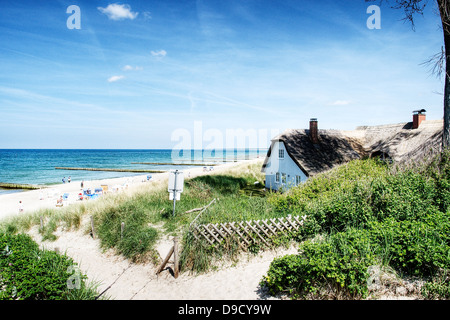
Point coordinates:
[(418, 117), (313, 132)]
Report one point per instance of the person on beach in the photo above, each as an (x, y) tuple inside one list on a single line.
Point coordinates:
[(20, 206), (64, 180), (82, 184), (68, 180), (59, 202)]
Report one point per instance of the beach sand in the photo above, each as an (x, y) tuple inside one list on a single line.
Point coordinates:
[(130, 281), (34, 200), (140, 281)]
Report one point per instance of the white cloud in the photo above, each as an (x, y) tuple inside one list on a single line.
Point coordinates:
[(160, 53), (131, 68), (115, 78), (118, 11)]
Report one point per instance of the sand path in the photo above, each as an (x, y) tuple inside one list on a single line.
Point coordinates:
[(129, 281)]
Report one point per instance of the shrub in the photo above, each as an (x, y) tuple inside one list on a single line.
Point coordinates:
[(336, 266), (28, 273), (403, 217), (414, 247)]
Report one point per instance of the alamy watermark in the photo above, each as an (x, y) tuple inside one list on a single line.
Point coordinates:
[(74, 281), (374, 21), (74, 20), (214, 140)]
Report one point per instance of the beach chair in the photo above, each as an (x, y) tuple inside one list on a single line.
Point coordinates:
[(94, 196)]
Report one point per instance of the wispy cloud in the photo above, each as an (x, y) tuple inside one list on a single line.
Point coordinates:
[(118, 11), (131, 68), (159, 54), (115, 78)]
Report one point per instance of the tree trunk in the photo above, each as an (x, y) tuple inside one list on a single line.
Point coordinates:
[(444, 10)]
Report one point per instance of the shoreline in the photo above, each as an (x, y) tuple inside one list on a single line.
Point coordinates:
[(34, 200)]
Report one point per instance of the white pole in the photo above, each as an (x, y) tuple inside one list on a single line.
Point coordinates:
[(175, 192)]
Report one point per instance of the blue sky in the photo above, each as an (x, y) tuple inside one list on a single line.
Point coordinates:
[(138, 71)]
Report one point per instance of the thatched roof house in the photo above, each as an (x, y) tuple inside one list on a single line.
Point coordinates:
[(297, 154)]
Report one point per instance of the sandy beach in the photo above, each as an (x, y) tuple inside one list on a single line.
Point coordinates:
[(128, 281), (33, 200)]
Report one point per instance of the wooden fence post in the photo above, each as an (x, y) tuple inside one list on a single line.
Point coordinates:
[(122, 227), (163, 264), (174, 251)]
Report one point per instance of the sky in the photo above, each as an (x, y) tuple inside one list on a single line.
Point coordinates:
[(164, 74)]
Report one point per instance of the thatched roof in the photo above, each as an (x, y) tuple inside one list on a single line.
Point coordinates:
[(402, 143), (399, 142)]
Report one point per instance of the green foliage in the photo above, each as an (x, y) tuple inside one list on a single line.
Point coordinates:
[(438, 288), (135, 238), (221, 184), (28, 273), (402, 215), (325, 269), (414, 247)]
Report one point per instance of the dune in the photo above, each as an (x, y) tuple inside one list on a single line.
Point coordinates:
[(124, 280)]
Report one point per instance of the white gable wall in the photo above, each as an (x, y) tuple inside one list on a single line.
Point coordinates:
[(287, 169)]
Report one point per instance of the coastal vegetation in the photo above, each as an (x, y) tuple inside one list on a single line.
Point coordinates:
[(29, 273), (368, 224), (367, 220)]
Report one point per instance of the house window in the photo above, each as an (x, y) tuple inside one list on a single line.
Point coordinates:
[(298, 180), (283, 178), (281, 154), (277, 177)]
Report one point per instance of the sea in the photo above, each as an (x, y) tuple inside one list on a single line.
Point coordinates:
[(37, 166)]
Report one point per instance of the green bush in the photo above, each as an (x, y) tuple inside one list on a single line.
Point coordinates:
[(439, 289), (414, 247), (336, 266), (402, 215), (28, 273)]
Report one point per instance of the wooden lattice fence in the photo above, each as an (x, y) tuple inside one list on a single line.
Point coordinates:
[(248, 232)]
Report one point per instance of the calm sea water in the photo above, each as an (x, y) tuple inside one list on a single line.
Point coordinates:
[(37, 166)]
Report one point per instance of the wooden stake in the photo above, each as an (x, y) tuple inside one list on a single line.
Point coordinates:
[(122, 227), (174, 251), (163, 264)]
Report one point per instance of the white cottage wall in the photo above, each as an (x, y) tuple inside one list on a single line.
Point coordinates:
[(289, 174)]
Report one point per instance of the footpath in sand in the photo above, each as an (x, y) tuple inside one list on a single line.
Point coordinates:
[(124, 280), (130, 281)]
